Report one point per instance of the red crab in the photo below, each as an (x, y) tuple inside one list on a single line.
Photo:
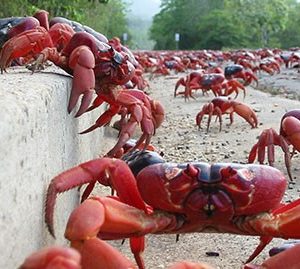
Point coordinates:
[(238, 71), (225, 105), (291, 59), (96, 67), (269, 65), (207, 81), (30, 36), (189, 197), (289, 134)]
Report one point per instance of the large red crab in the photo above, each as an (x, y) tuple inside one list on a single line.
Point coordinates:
[(101, 254), (225, 105), (269, 138), (96, 67), (189, 197)]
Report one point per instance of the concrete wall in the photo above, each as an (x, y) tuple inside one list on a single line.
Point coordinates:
[(38, 140)]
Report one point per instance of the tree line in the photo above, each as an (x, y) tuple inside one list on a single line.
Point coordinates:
[(201, 24), (222, 24)]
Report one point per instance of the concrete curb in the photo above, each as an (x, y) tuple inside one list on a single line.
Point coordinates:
[(38, 140)]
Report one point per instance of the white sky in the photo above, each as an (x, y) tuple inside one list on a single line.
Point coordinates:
[(144, 8)]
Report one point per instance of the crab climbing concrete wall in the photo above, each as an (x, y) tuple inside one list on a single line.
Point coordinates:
[(38, 140)]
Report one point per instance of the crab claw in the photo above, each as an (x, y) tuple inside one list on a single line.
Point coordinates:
[(249, 77), (82, 61), (233, 85), (53, 258), (98, 254), (245, 112), (109, 219)]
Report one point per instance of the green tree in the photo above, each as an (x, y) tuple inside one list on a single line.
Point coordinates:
[(180, 16), (109, 19), (223, 23), (263, 20), (218, 30), (290, 36)]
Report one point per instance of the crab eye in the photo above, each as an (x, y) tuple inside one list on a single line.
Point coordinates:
[(117, 58), (191, 170)]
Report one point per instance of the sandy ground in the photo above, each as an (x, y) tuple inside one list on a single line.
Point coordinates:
[(181, 141)]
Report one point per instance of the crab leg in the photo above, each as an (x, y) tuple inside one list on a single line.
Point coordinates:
[(210, 110), (104, 118), (268, 139), (181, 81), (281, 223), (140, 110), (107, 171), (104, 170), (286, 259)]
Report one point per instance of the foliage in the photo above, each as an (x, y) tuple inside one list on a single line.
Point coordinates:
[(109, 18), (219, 30), (263, 19), (226, 23), (290, 36)]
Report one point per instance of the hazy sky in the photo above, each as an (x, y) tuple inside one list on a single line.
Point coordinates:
[(144, 8)]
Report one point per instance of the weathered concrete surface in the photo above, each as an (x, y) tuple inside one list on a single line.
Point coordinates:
[(38, 139)]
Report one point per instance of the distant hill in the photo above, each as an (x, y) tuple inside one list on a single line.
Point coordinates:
[(139, 28)]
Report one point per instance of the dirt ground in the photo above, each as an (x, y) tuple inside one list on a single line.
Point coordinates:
[(181, 141)]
